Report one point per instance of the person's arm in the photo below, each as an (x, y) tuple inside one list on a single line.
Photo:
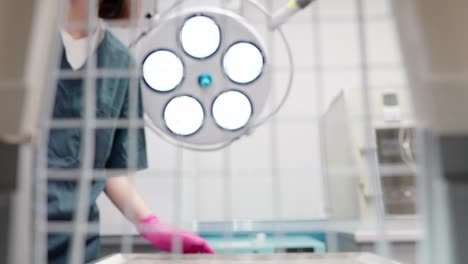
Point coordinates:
[(123, 195)]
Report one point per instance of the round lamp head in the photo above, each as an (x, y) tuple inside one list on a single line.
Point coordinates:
[(232, 110), (183, 115), (163, 70), (243, 62), (200, 36), (204, 76)]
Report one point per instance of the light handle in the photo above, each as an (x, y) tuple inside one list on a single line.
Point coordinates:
[(282, 16)]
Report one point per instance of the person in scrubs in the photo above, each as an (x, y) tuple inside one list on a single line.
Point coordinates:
[(65, 146)]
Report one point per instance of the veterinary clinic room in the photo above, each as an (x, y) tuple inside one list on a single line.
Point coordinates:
[(233, 131)]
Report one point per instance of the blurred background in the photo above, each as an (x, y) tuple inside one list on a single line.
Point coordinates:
[(314, 148), (364, 163), (302, 142)]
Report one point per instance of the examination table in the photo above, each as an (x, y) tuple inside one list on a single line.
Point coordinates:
[(346, 258)]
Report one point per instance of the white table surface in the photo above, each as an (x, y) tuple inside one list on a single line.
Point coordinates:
[(347, 258)]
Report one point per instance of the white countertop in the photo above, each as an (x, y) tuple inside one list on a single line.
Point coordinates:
[(396, 230), (410, 235)]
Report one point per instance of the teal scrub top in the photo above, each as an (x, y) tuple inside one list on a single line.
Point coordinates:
[(111, 151)]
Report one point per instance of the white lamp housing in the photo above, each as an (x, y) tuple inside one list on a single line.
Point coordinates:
[(204, 76)]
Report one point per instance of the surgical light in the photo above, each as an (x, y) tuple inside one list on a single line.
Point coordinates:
[(243, 62), (232, 110), (184, 115), (163, 71), (206, 74)]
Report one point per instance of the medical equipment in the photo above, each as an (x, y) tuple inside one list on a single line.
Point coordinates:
[(199, 105), (205, 87), (392, 124)]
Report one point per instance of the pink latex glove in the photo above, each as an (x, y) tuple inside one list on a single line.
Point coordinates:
[(161, 237)]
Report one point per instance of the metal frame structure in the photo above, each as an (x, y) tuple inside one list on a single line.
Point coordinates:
[(441, 169)]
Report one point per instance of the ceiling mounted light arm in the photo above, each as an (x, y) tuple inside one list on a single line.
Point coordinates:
[(278, 18), (286, 12)]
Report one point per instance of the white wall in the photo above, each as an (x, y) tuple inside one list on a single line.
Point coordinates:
[(294, 137)]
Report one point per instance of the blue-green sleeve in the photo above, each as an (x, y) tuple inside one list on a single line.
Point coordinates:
[(119, 156)]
